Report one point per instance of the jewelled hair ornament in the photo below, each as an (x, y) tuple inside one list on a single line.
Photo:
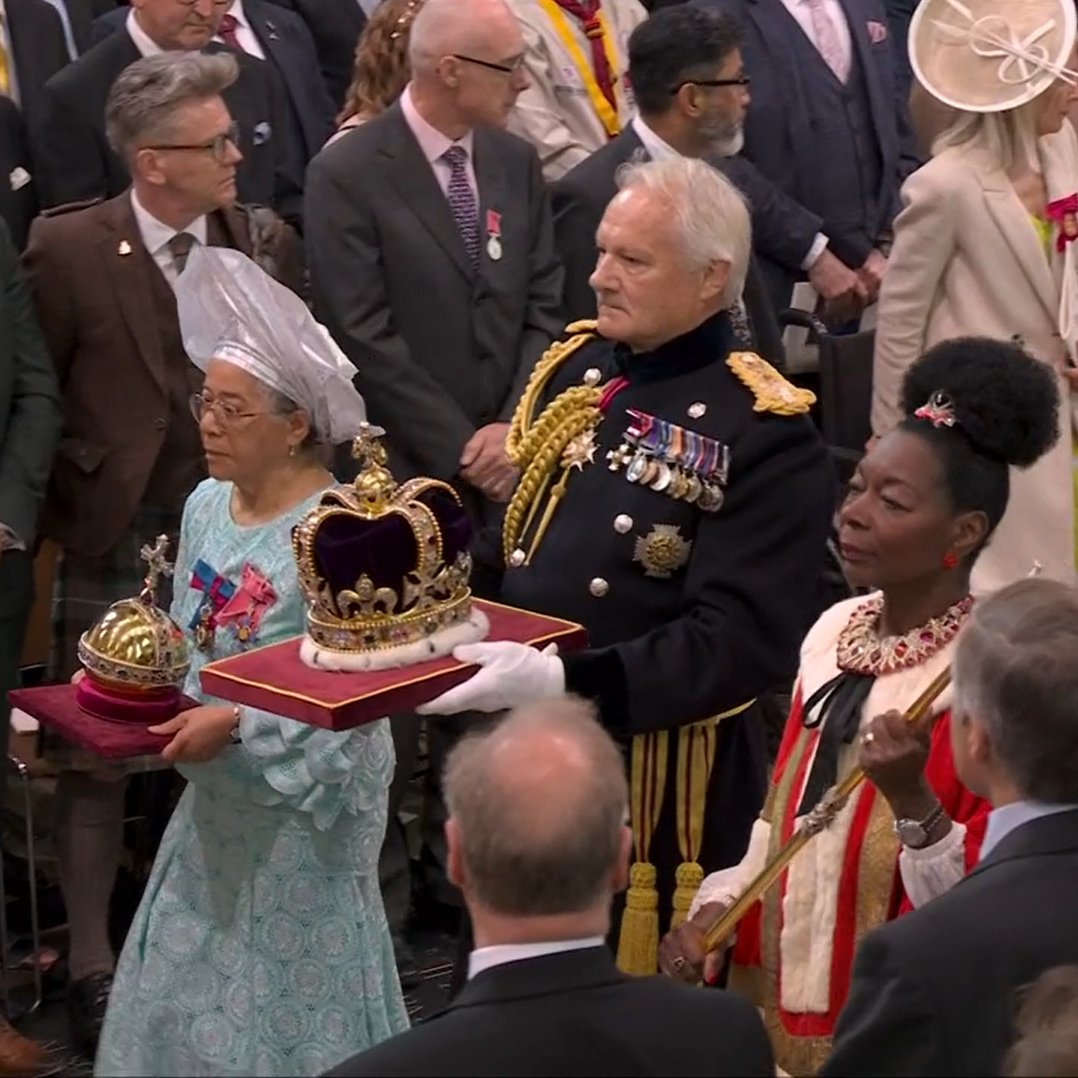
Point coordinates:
[(384, 569), (937, 410), (991, 55), (135, 656)]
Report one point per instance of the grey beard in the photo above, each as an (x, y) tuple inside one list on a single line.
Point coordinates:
[(729, 145)]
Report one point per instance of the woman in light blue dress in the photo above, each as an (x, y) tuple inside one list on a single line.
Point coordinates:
[(260, 946)]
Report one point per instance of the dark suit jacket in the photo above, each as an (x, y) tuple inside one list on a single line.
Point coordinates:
[(100, 318), (29, 401), (38, 48), (580, 198), (575, 1013), (335, 26), (75, 161), (441, 349), (935, 991), (18, 200), (781, 145), (287, 43)]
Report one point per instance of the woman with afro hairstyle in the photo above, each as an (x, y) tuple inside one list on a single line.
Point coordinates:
[(985, 241), (921, 507)]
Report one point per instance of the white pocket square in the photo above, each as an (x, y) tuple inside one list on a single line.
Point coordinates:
[(19, 178)]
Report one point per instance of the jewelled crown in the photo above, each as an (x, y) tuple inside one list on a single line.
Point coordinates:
[(384, 568), (135, 648)]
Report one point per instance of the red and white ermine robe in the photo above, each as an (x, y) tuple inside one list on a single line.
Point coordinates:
[(794, 950)]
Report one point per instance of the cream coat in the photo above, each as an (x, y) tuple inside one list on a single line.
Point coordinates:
[(968, 261)]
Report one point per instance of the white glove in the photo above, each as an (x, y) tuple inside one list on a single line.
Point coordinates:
[(510, 674)]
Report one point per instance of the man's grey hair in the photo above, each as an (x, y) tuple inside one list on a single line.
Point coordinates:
[(1016, 673), (142, 103), (533, 847), (708, 211)]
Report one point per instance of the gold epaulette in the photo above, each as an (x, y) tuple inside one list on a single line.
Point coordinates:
[(772, 392), (579, 334), (71, 207)]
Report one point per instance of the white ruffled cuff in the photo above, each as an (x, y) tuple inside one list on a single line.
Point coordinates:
[(929, 873), (726, 885)]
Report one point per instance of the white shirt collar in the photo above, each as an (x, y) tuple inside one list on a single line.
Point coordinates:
[(143, 42), (155, 234), (431, 141), (488, 957), (237, 12), (658, 149), (1007, 818)]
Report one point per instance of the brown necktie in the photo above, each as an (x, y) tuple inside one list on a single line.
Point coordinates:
[(180, 247)]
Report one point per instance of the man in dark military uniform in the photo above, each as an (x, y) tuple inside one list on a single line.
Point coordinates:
[(675, 499)]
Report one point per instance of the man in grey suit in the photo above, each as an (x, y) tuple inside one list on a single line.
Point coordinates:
[(431, 252), (29, 431)]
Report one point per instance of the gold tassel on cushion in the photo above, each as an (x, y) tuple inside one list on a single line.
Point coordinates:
[(695, 757), (638, 941)]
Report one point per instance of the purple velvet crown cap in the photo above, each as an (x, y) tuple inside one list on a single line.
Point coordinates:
[(346, 546)]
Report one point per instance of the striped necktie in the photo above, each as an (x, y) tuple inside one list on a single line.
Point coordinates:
[(462, 200)]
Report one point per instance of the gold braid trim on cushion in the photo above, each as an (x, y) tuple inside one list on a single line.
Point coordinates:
[(537, 448)]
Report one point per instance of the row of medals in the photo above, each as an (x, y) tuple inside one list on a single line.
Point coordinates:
[(668, 478)]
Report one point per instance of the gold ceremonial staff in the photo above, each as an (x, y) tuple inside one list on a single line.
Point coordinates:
[(819, 819)]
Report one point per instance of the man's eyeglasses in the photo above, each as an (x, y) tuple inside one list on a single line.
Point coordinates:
[(742, 81), (227, 414), (217, 146), (506, 69)]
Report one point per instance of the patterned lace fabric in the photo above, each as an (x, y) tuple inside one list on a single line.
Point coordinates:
[(260, 946)]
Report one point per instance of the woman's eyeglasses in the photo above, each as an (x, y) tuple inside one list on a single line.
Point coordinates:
[(227, 414)]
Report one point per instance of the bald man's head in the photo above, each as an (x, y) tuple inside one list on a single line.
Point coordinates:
[(539, 806), (467, 61), (445, 27)]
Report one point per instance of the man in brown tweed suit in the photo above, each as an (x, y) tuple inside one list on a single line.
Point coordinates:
[(103, 276)]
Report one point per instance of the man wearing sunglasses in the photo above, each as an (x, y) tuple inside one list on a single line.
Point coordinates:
[(102, 277)]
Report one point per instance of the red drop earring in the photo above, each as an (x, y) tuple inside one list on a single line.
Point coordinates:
[(950, 560)]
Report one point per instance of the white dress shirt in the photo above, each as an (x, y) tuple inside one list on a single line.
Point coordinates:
[(143, 42), (155, 236), (658, 149), (1007, 818), (801, 11), (65, 21), (488, 957), (434, 144), (368, 6), (5, 44), (244, 34)]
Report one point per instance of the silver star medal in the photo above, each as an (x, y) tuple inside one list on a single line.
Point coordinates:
[(580, 451)]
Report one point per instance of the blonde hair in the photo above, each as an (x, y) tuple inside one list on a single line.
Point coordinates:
[(381, 69), (1008, 138)]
